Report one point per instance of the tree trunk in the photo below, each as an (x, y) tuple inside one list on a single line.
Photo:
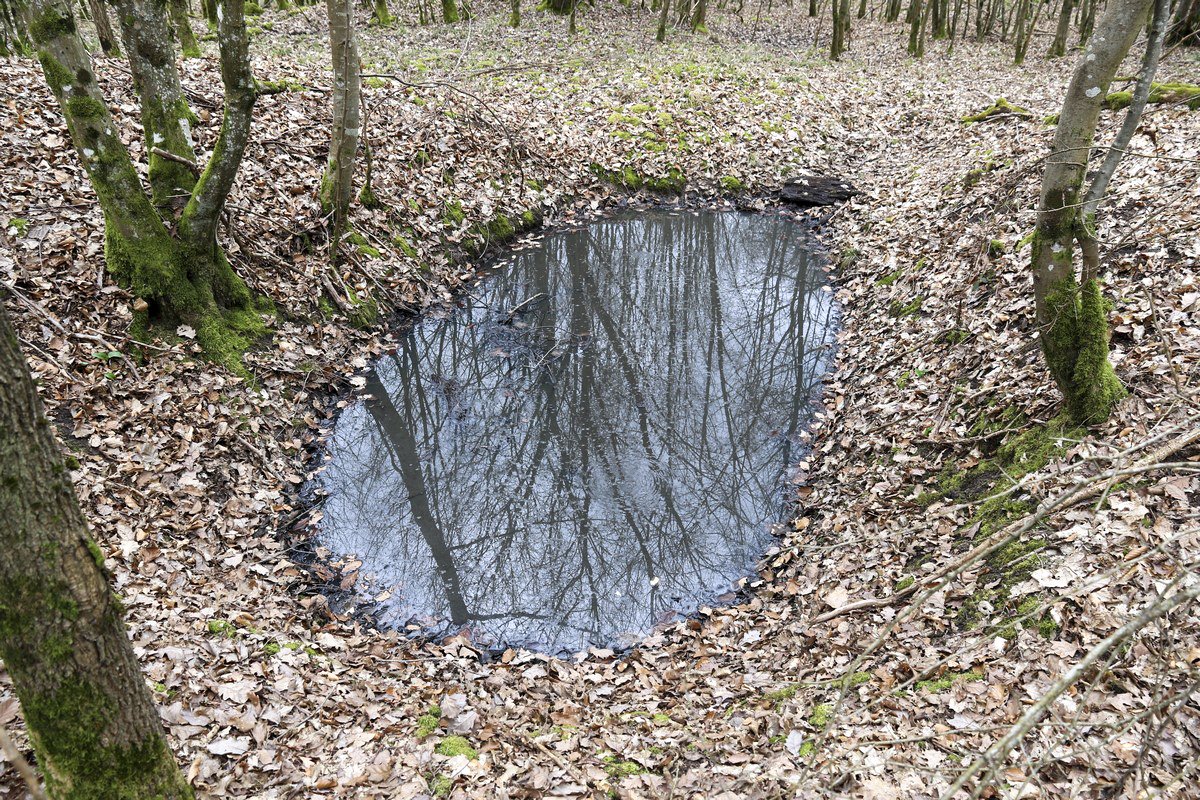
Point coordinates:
[(514, 19), (380, 14), (182, 277), (104, 30), (90, 717), (449, 11), (14, 28), (1058, 47), (337, 187), (1185, 26), (571, 29), (1071, 314), (699, 17), (1087, 20), (841, 27), (661, 36), (183, 28)]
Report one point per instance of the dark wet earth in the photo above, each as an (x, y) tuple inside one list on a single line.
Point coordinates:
[(597, 442)]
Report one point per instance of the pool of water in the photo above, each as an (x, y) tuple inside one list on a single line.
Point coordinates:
[(597, 441)]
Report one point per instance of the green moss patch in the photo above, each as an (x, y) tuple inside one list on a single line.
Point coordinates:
[(947, 680), (999, 109), (456, 746), (1185, 94)]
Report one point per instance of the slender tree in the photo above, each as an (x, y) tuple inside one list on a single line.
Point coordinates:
[(162, 246), (664, 8), (1185, 26), (90, 717), (338, 185), (104, 29), (841, 28), (14, 28), (1071, 313), (183, 28), (1058, 47)]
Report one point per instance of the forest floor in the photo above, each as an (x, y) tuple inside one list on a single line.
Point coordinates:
[(188, 473)]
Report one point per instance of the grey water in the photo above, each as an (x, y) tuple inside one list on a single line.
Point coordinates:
[(600, 438)]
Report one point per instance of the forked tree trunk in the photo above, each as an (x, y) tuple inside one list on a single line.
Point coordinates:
[(183, 28), (90, 717), (841, 27), (337, 188), (1071, 315), (184, 276)]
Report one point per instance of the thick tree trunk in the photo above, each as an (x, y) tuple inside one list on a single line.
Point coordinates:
[(699, 14), (1071, 315), (104, 30), (90, 717), (1058, 47), (337, 187), (14, 28), (449, 11), (514, 19), (183, 277), (183, 28)]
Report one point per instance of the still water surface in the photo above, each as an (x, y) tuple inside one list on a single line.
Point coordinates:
[(597, 441)]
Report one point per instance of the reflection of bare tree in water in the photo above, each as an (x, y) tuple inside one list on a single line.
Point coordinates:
[(608, 454)]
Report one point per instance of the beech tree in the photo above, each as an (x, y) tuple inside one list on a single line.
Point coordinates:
[(104, 30), (89, 714), (162, 245), (1072, 315)]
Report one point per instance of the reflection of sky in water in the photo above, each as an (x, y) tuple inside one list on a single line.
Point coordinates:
[(532, 476)]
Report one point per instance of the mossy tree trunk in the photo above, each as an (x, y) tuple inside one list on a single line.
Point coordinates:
[(337, 187), (1058, 47), (841, 28), (664, 9), (104, 29), (1071, 314), (90, 717), (14, 28), (183, 275), (380, 14), (183, 28), (700, 17), (514, 19), (449, 11)]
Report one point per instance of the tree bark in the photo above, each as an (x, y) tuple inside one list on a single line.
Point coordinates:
[(1058, 47), (663, 10), (1185, 26), (104, 29), (14, 28), (699, 14), (337, 188), (1071, 315), (514, 19), (183, 277), (449, 11), (90, 717), (183, 28)]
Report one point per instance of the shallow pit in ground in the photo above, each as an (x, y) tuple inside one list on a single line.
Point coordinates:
[(597, 441)]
